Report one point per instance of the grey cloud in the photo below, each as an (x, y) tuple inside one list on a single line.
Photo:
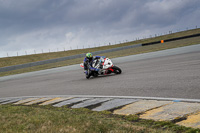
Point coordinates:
[(28, 24)]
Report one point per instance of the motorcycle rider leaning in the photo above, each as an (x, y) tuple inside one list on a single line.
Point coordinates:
[(88, 63)]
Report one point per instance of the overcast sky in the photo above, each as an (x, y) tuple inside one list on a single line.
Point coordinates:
[(28, 25)]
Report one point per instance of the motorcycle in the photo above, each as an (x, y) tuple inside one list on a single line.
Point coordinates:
[(106, 67)]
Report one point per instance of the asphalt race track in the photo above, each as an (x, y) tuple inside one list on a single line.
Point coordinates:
[(173, 73)]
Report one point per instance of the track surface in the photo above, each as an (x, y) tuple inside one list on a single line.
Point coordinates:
[(170, 73)]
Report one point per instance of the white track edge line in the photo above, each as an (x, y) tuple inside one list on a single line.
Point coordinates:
[(99, 96)]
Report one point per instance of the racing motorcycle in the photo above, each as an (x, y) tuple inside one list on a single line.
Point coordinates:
[(106, 67)]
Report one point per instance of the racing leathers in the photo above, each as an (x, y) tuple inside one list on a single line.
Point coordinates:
[(88, 63)]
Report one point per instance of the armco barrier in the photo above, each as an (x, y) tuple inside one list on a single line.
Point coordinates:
[(10, 68)]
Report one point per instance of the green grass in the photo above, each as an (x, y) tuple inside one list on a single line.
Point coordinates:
[(156, 47), (51, 119)]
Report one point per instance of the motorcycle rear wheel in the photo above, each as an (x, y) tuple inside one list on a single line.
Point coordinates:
[(87, 76), (95, 74)]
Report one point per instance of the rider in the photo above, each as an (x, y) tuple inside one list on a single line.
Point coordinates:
[(89, 60)]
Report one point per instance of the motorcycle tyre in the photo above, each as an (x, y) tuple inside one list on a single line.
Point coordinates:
[(117, 70), (87, 76), (95, 74)]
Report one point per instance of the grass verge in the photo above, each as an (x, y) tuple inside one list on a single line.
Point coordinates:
[(51, 119)]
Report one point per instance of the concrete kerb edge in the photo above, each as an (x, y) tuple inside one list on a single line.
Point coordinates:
[(124, 97)]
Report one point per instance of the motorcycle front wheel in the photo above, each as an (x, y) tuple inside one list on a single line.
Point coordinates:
[(117, 70)]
